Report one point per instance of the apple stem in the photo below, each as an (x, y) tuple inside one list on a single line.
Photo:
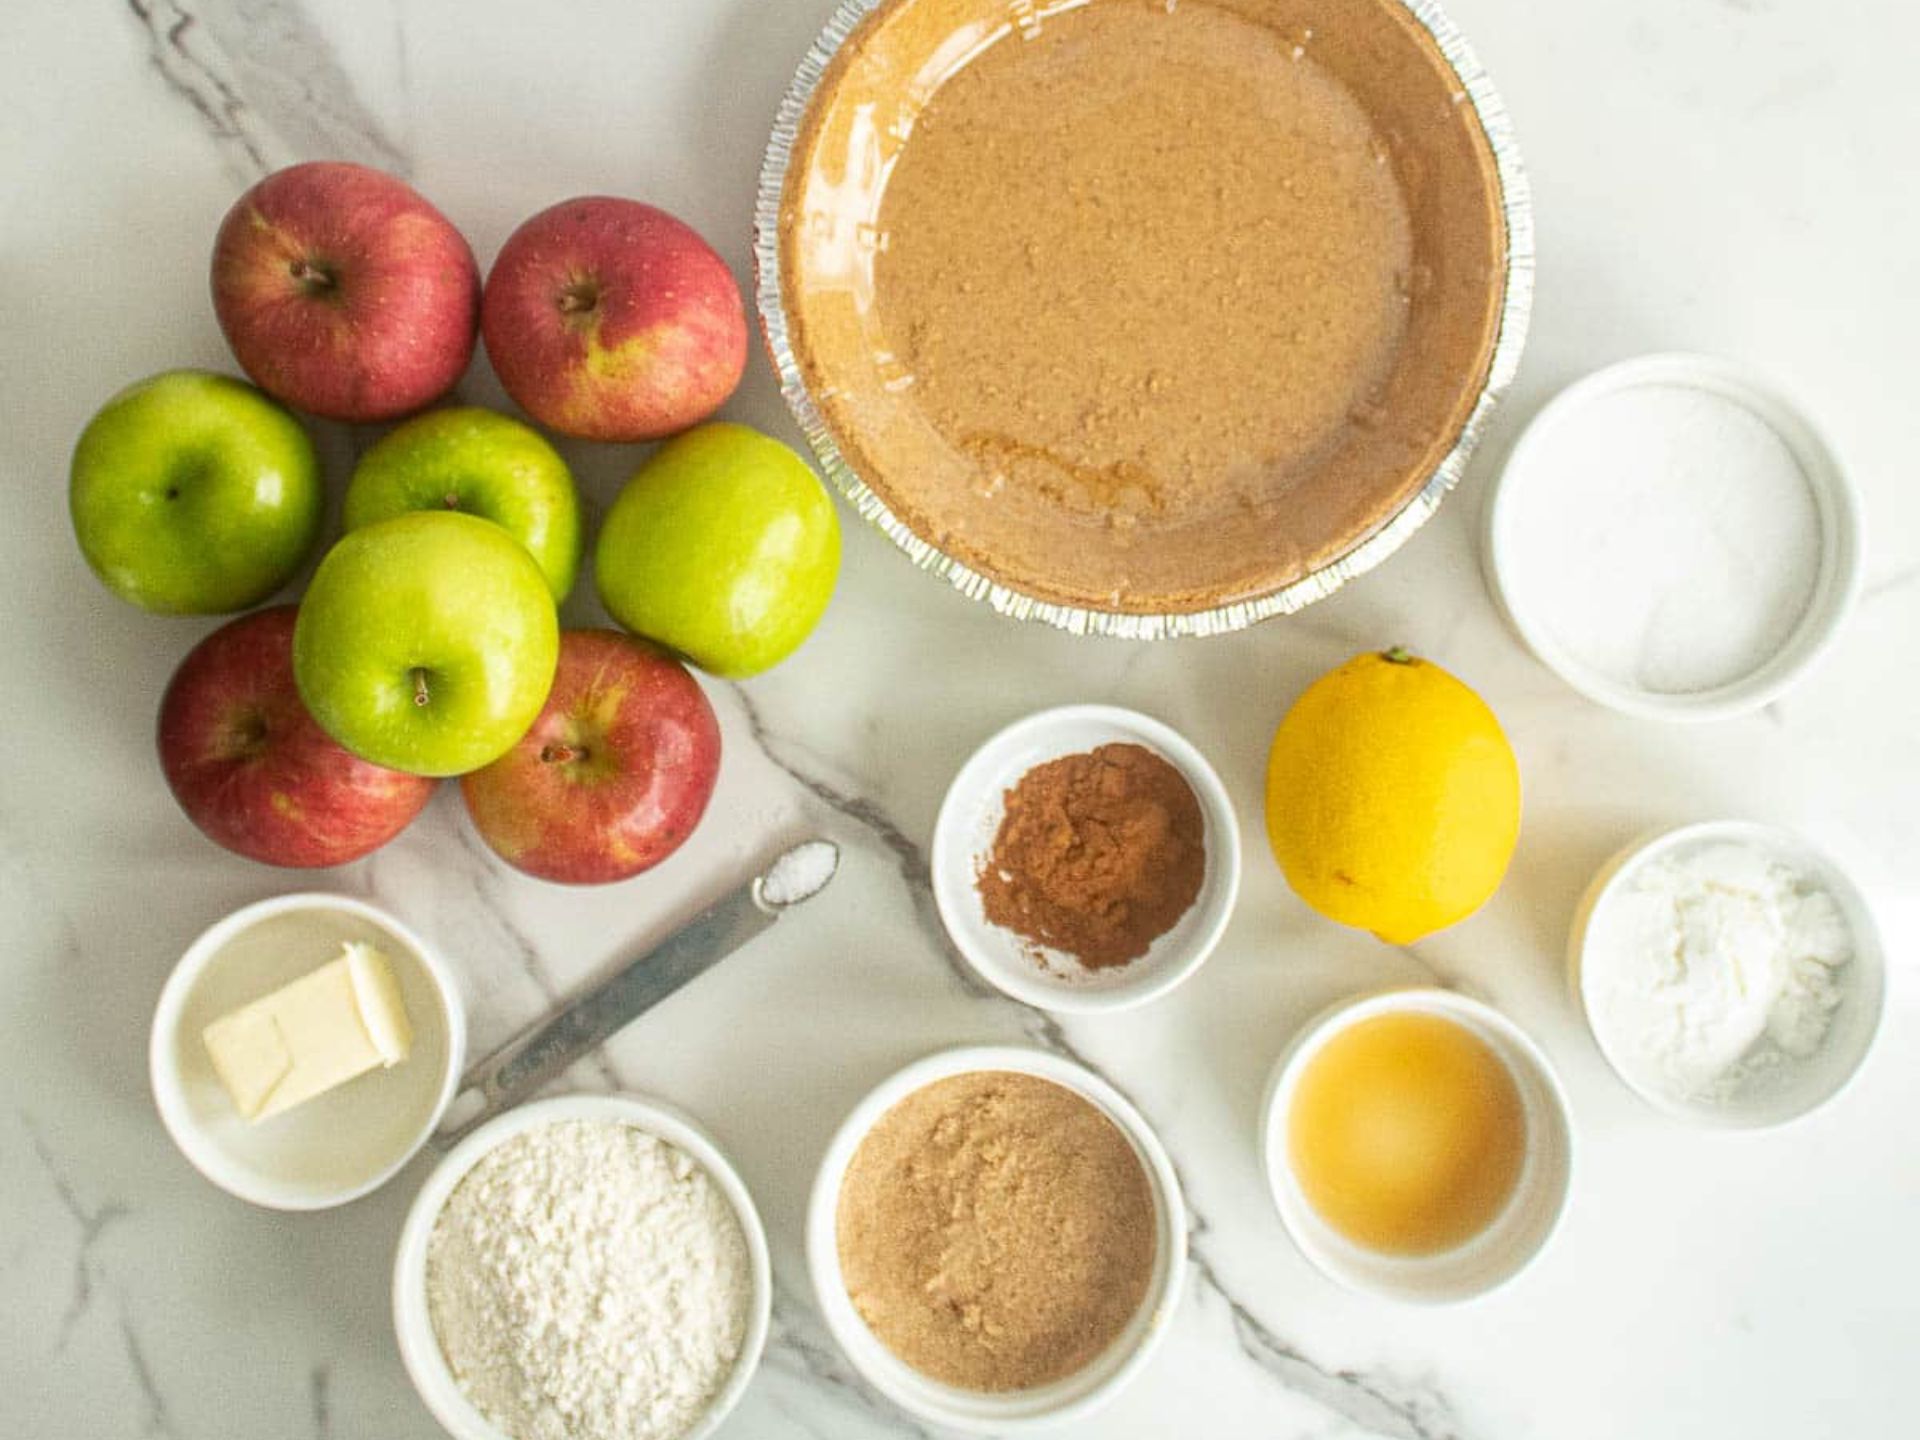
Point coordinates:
[(421, 695), (579, 297), (248, 737), (561, 754), (311, 277)]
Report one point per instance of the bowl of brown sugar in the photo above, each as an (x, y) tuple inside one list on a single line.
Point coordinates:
[(1086, 859), (996, 1239)]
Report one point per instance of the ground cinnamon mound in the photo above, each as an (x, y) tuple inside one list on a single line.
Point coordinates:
[(996, 1231), (1098, 855)]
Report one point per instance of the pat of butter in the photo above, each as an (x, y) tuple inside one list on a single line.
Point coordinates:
[(322, 1030)]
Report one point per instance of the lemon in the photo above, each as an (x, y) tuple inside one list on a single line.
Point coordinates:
[(1393, 798)]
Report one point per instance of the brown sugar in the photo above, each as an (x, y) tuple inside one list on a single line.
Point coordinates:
[(996, 1231), (1098, 855)]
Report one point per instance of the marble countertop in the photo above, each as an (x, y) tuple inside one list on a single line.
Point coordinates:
[(1720, 175)]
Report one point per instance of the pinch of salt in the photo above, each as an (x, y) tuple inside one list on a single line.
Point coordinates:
[(800, 874)]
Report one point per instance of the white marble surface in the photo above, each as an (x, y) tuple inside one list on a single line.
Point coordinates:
[(1728, 175)]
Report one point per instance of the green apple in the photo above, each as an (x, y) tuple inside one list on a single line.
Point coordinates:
[(427, 643), (723, 546), (194, 494), (485, 464)]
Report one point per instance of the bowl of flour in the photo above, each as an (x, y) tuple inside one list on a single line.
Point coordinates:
[(585, 1268), (1731, 973)]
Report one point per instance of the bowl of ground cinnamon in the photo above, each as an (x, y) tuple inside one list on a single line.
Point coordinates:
[(996, 1239), (1086, 858)]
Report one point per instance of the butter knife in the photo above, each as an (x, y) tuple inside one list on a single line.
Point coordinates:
[(536, 1056)]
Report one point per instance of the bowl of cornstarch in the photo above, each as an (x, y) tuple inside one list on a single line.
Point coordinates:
[(1731, 972), (585, 1268)]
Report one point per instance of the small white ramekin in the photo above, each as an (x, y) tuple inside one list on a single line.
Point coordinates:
[(1809, 1084), (1497, 1253), (970, 817), (1835, 590), (337, 1146), (420, 1349), (976, 1412)]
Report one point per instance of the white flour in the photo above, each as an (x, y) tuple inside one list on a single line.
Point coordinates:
[(1717, 964), (588, 1281), (1666, 537)]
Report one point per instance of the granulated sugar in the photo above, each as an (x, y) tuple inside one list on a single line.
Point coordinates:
[(1665, 537)]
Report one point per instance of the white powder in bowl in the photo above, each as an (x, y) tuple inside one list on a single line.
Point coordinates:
[(1664, 536), (589, 1281), (1716, 964)]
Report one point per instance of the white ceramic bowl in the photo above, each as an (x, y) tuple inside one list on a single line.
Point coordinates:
[(1838, 505), (970, 817), (1497, 1253), (1786, 1092), (975, 1412), (337, 1146), (413, 1323)]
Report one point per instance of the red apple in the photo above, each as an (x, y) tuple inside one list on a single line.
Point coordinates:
[(252, 769), (612, 320), (614, 774), (344, 293)]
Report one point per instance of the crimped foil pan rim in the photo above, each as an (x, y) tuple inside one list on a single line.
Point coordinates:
[(1516, 310)]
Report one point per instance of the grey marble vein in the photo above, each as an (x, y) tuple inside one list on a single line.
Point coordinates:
[(319, 1388), (910, 858), (1377, 1402), (154, 1419), (479, 875), (194, 71), (403, 76), (796, 1343), (1886, 585), (793, 1416), (908, 854), (93, 1223), (265, 82), (1442, 975)]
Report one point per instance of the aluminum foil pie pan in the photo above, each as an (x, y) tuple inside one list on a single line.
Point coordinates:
[(1475, 90)]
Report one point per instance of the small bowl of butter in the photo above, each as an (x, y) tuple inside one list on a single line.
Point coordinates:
[(304, 1049)]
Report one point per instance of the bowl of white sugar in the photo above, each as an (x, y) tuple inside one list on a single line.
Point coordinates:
[(1674, 538), (1731, 972), (589, 1267)]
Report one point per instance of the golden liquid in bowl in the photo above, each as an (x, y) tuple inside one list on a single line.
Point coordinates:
[(1407, 1134)]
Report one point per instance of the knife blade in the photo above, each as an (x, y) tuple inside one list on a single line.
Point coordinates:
[(539, 1054)]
